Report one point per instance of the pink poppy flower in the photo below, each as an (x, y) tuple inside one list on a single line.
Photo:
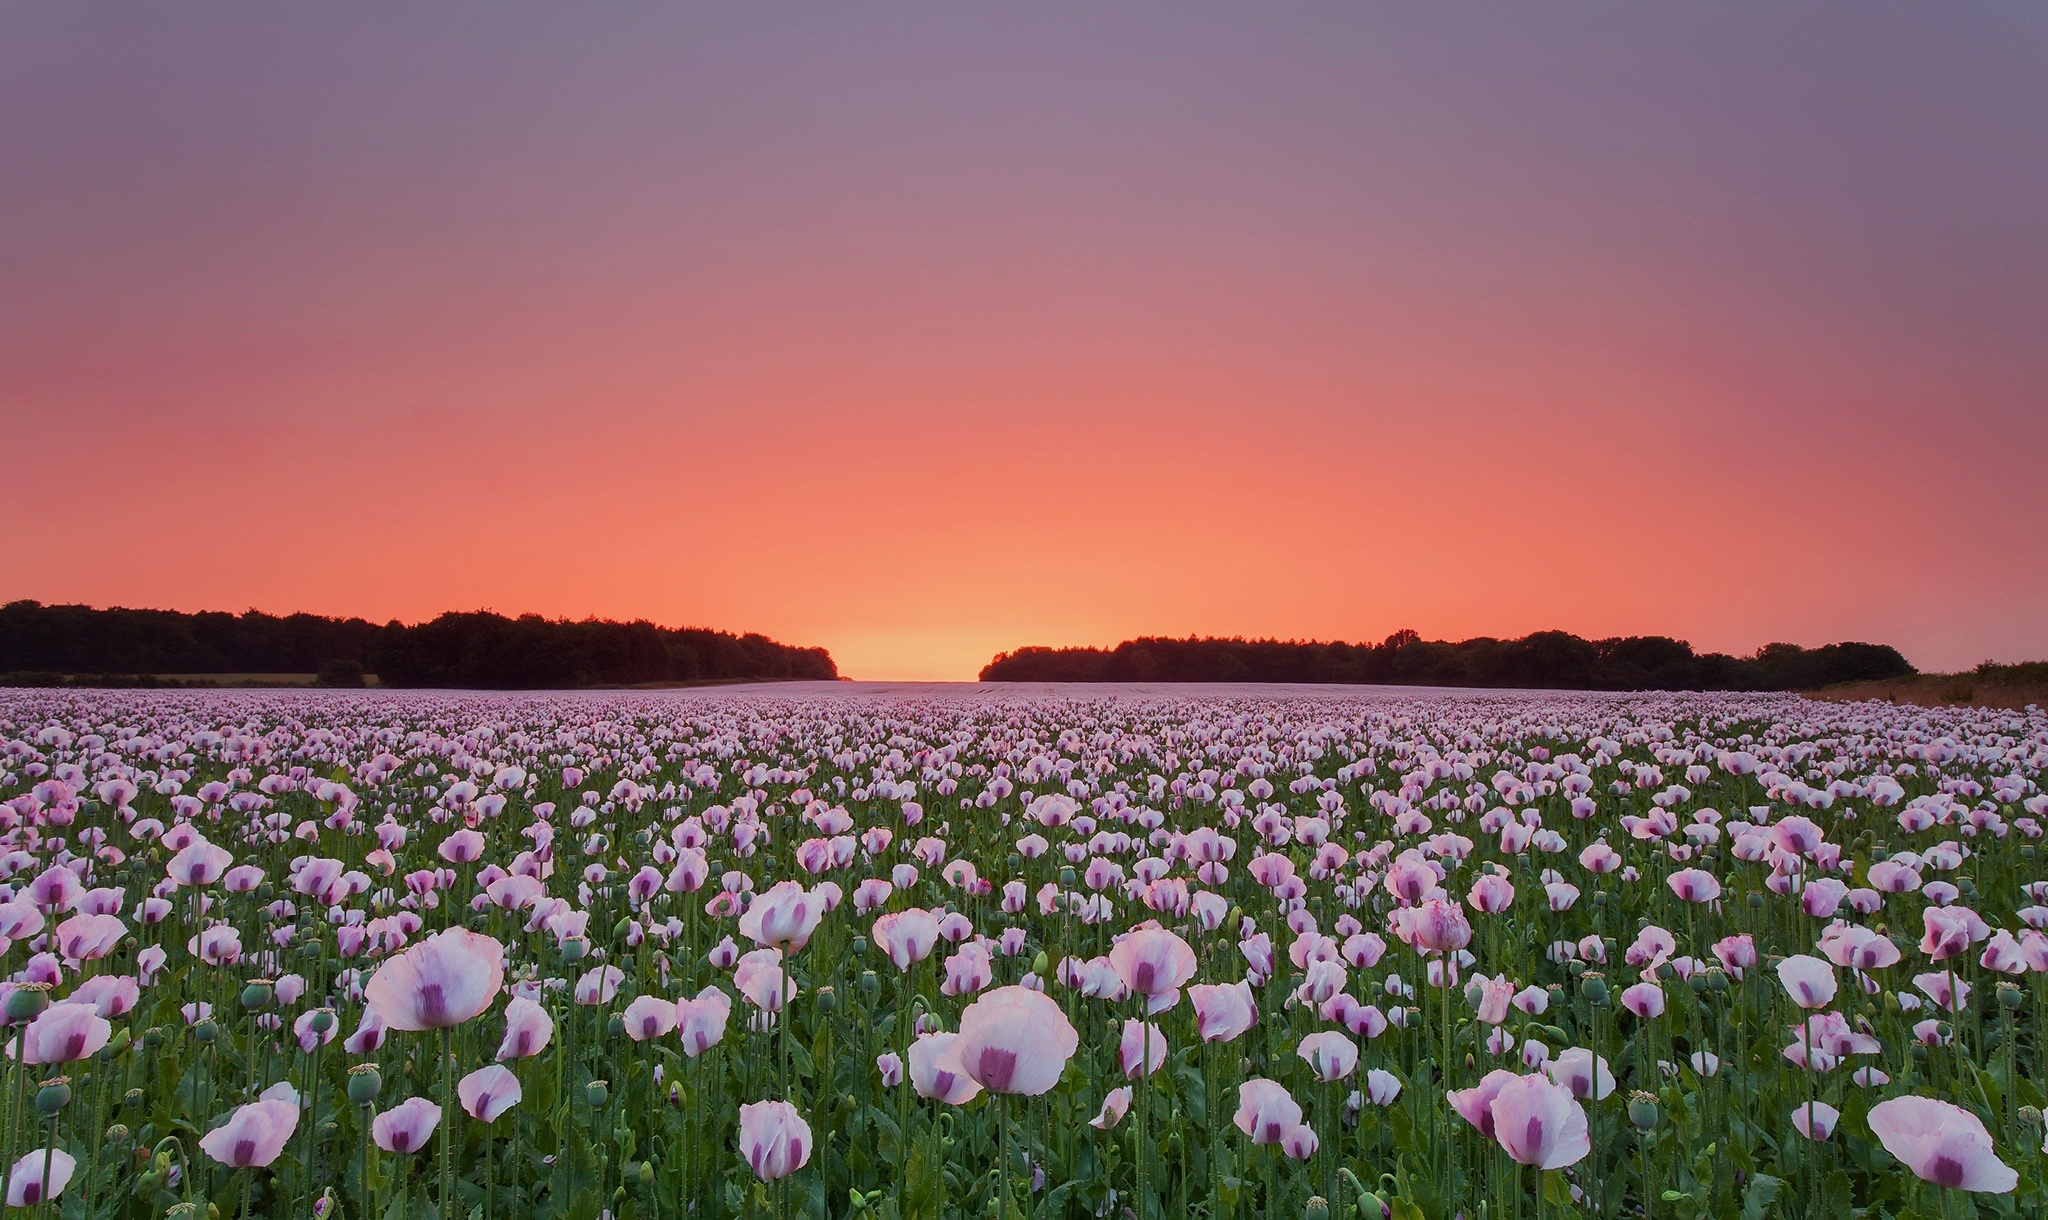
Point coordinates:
[(439, 982), (1941, 1143)]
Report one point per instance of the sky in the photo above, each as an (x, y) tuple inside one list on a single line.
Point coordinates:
[(926, 331)]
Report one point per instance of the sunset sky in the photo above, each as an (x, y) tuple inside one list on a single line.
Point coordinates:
[(925, 331)]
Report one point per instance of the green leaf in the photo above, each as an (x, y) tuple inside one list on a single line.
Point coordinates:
[(1763, 1191)]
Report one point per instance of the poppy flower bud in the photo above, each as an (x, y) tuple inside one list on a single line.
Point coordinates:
[(364, 1083), (1642, 1110), (27, 1001)]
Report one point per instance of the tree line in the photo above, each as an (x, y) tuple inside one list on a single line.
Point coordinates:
[(1547, 659), (478, 650)]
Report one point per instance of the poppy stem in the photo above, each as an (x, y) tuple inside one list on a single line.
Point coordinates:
[(50, 1152), (447, 1110), (1003, 1174), (18, 1072)]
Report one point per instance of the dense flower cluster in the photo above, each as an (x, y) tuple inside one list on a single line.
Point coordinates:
[(718, 953)]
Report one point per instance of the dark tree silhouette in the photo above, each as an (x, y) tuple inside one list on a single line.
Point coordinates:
[(477, 650), (1548, 659)]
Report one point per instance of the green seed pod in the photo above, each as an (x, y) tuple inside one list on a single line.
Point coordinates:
[(573, 949), (364, 1083), (2030, 1115), (182, 1211), (258, 994), (1717, 979), (54, 1095), (1067, 876), (826, 999), (1756, 902), (596, 1093), (132, 1097), (266, 892), (27, 1001), (869, 982), (1318, 1208), (616, 1026), (206, 1031), (859, 946), (154, 1036), (1593, 985), (2010, 997), (1666, 971), (323, 1020), (1642, 1110), (117, 1133), (1600, 898), (1697, 982)]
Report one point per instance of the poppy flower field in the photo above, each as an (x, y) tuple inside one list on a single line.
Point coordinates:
[(1226, 953)]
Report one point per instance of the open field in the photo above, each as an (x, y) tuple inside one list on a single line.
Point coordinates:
[(905, 950), (2006, 686)]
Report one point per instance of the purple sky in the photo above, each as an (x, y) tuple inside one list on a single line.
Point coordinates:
[(921, 331)]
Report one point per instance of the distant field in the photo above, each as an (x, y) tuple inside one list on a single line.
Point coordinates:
[(242, 679), (2013, 686)]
